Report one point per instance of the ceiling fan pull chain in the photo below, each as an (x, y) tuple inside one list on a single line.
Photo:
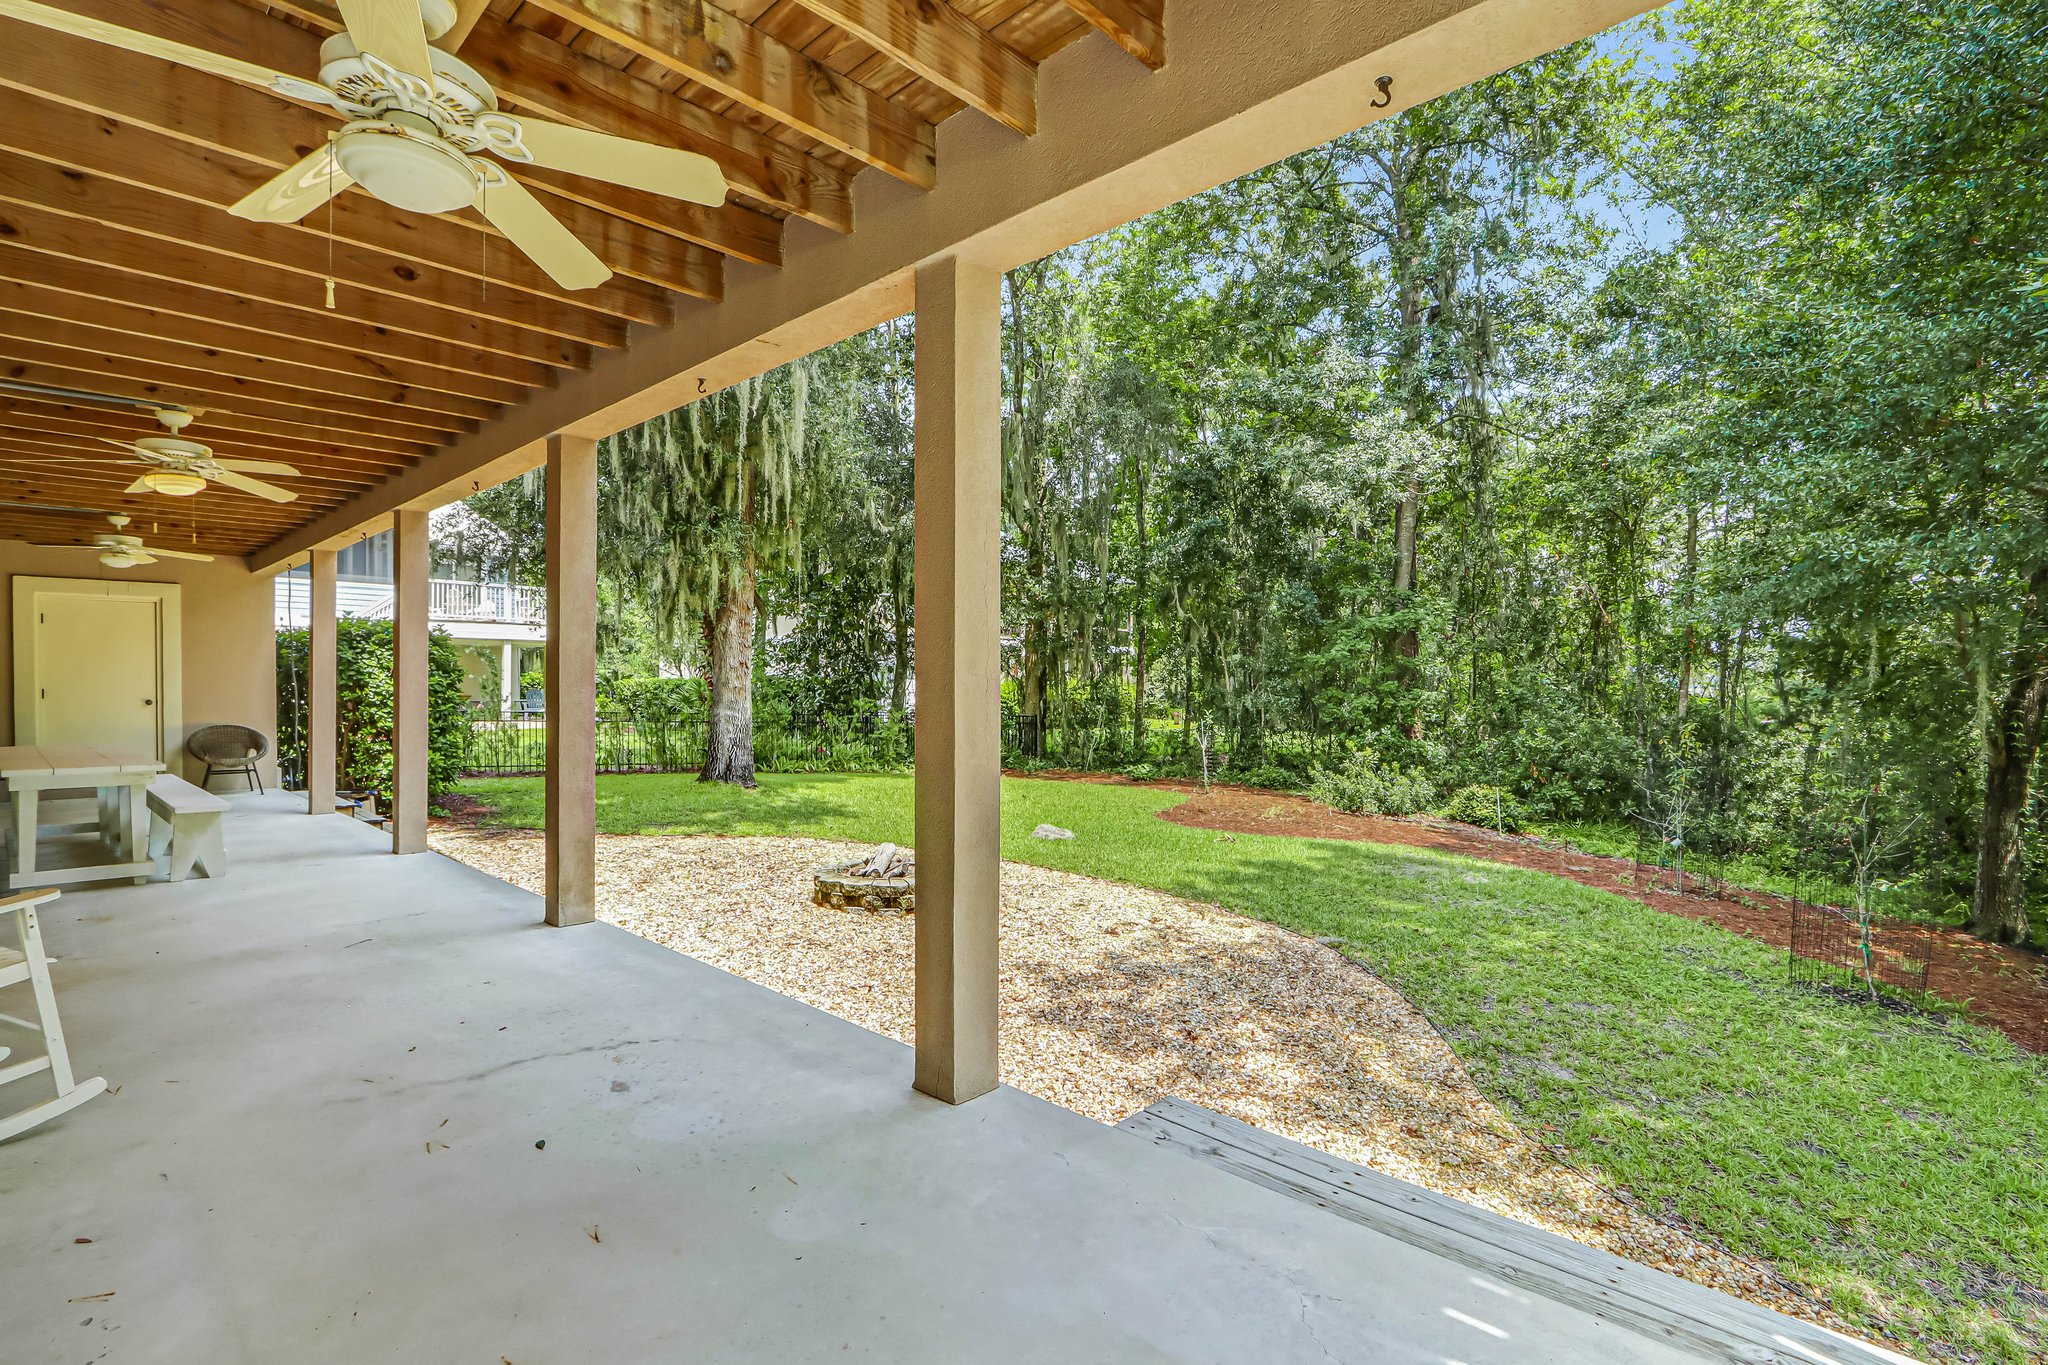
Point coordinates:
[(330, 220)]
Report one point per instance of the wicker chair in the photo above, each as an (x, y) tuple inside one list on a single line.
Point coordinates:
[(229, 749)]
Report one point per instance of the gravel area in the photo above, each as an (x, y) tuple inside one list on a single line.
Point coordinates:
[(1113, 996)]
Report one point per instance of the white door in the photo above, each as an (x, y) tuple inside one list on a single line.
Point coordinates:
[(99, 672)]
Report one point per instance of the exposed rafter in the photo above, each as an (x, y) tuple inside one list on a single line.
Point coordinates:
[(934, 40), (1138, 26), (740, 62)]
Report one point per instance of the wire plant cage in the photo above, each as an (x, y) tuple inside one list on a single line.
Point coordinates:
[(1832, 950)]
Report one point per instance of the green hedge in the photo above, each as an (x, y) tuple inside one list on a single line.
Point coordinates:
[(363, 690)]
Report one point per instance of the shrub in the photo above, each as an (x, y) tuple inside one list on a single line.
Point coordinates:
[(663, 700), (1269, 775), (1367, 786), (1487, 807), (362, 680)]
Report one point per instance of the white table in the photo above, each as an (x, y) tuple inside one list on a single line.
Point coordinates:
[(121, 819)]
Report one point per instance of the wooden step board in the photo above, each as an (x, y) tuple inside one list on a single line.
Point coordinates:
[(1719, 1326)]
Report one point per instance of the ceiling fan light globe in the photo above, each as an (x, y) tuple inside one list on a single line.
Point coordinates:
[(119, 559), (415, 173), (175, 483)]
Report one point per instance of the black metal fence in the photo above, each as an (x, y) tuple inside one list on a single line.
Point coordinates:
[(515, 745)]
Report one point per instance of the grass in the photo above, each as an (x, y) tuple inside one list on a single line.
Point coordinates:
[(1896, 1165)]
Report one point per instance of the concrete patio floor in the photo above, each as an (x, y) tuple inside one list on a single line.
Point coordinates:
[(335, 1069)]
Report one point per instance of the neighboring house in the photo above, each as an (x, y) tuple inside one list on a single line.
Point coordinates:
[(500, 628)]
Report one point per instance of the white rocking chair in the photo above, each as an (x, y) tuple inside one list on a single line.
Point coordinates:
[(27, 963)]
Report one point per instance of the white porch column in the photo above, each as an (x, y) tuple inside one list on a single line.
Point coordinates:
[(320, 700), (958, 575), (508, 677), (409, 681), (572, 680)]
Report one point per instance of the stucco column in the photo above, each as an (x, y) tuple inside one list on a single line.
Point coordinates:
[(958, 579), (320, 699), (409, 681), (572, 680)]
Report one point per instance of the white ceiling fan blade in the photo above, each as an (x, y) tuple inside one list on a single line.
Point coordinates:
[(45, 545), (392, 30), (295, 191), (667, 171), (259, 467), (175, 554), (141, 485), (137, 556), (124, 445), (535, 231), (230, 479), (198, 58)]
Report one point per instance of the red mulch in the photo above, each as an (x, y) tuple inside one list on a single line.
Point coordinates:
[(2004, 988)]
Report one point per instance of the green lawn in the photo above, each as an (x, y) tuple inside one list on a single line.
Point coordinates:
[(1897, 1166)]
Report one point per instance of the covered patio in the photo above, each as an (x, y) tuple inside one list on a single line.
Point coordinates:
[(369, 1108), (374, 1107)]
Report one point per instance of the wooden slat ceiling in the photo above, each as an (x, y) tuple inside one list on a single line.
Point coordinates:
[(121, 273)]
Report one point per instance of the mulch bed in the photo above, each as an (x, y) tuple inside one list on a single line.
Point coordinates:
[(2003, 988)]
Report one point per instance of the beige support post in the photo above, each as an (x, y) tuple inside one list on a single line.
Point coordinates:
[(320, 684), (572, 680), (958, 579), (409, 681)]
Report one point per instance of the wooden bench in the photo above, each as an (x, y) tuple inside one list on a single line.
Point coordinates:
[(184, 822)]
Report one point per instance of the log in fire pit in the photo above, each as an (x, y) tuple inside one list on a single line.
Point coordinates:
[(884, 884)]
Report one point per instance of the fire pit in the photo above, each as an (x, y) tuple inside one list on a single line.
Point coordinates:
[(882, 885)]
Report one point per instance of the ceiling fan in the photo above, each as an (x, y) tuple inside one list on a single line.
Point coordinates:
[(417, 117), (180, 468), (118, 550)]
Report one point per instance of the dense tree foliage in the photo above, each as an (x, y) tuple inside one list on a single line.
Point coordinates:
[(1652, 432)]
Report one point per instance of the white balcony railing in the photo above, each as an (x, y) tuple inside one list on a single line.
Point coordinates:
[(451, 599)]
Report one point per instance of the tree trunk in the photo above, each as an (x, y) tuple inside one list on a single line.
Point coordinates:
[(1412, 386), (1140, 629), (1691, 645), (899, 611), (1998, 908), (729, 653), (1031, 692)]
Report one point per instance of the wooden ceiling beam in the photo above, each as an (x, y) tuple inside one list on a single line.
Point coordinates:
[(1137, 26), (360, 347), (24, 463), (81, 236), (121, 141), (58, 530), (19, 453), (302, 424), (51, 484), (937, 42), (56, 445), (54, 420), (223, 391), (441, 299), (138, 334), (250, 414), (554, 81), (718, 51)]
